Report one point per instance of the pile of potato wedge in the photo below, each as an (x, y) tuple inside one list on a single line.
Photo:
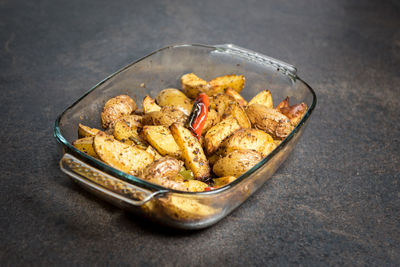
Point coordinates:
[(154, 144)]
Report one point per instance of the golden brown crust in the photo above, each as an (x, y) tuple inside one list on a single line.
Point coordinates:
[(175, 98), (192, 152), (161, 139), (121, 156), (262, 98), (218, 133), (253, 139)]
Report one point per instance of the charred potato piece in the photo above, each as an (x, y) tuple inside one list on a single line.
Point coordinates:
[(263, 98), (222, 181), (219, 132), (193, 85), (253, 139), (150, 105), (166, 116), (192, 152), (85, 131), (295, 113), (236, 163), (161, 139), (121, 156), (116, 108), (176, 98), (283, 104), (219, 84), (86, 145), (269, 120), (163, 171), (212, 119), (236, 96)]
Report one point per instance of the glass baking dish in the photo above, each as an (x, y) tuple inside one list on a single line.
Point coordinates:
[(149, 75)]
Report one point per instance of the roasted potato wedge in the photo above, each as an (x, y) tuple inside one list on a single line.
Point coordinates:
[(116, 108), (166, 116), (283, 104), (193, 85), (253, 139), (154, 152), (236, 163), (85, 131), (86, 145), (263, 98), (192, 152), (269, 120), (150, 105), (295, 113), (121, 156), (163, 171), (219, 132), (128, 134), (212, 119), (219, 84), (161, 139), (222, 181), (176, 98), (227, 105), (195, 185), (240, 115), (229, 91)]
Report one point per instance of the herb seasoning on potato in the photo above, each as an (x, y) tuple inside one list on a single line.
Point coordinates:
[(200, 138)]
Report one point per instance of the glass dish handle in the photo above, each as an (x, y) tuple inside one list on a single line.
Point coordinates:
[(104, 182), (260, 58)]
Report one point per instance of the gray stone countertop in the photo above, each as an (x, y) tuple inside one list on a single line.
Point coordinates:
[(335, 200)]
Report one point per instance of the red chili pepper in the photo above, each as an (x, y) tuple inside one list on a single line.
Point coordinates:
[(199, 114), (210, 188)]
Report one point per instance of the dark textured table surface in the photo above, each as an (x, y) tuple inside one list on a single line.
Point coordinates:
[(336, 199)]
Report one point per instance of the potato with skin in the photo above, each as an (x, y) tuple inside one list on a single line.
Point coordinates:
[(253, 139), (86, 145), (193, 85), (227, 105), (166, 116), (161, 139), (192, 152), (263, 98), (283, 104), (163, 171), (236, 163), (150, 105), (269, 120), (219, 132), (116, 108), (176, 98), (219, 84), (85, 131), (229, 91), (121, 156)]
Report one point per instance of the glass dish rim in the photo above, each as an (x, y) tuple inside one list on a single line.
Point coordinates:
[(136, 181)]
